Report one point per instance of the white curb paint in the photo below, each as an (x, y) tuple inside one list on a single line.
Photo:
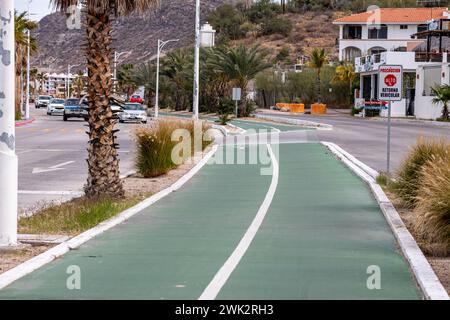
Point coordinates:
[(303, 123), (37, 262), (429, 283), (241, 131), (219, 280)]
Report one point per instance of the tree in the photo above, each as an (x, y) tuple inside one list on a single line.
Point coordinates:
[(442, 95), (317, 61), (79, 84), (21, 25), (240, 65), (145, 75), (103, 162), (125, 79), (345, 73), (41, 78)]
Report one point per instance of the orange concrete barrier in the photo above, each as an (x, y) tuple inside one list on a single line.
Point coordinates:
[(318, 108), (293, 107), (297, 107)]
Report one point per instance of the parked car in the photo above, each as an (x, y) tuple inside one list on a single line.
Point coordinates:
[(133, 112), (136, 99), (55, 106), (42, 101), (74, 109)]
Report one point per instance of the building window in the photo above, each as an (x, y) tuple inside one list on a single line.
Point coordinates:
[(403, 27), (352, 32), (379, 33)]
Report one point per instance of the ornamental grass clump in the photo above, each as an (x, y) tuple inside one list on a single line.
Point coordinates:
[(167, 143), (408, 176), (433, 205)]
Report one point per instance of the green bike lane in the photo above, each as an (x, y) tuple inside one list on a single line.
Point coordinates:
[(248, 125), (321, 232)]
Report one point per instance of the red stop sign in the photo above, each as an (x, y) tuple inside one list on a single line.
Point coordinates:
[(390, 80)]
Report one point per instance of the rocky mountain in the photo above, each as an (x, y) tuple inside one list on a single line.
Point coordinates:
[(60, 46)]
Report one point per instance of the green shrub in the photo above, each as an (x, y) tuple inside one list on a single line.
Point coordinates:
[(155, 146), (247, 109), (276, 26), (408, 180), (433, 205), (225, 109)]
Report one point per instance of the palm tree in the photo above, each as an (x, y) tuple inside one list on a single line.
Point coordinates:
[(79, 84), (21, 25), (240, 65), (103, 162), (41, 78), (346, 74), (124, 79), (145, 75), (33, 75), (317, 60), (442, 95)]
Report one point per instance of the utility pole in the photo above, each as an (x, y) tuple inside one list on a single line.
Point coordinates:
[(161, 45), (8, 158), (197, 60)]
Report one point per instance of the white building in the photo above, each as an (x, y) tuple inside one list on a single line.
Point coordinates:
[(386, 29)]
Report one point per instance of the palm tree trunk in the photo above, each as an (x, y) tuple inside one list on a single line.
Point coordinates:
[(445, 113), (103, 162), (319, 89)]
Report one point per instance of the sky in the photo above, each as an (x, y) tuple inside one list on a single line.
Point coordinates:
[(40, 8)]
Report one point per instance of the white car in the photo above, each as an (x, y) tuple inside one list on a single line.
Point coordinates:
[(134, 112), (56, 106), (43, 101)]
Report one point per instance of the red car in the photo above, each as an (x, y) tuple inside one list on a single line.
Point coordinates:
[(136, 99)]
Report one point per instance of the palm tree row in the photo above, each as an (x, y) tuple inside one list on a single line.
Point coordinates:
[(220, 70), (21, 26)]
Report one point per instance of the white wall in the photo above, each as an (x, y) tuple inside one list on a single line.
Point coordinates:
[(424, 107)]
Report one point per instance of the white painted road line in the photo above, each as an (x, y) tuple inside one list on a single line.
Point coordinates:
[(219, 280), (51, 193), (53, 168)]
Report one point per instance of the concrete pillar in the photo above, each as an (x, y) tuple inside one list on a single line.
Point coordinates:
[(8, 158)]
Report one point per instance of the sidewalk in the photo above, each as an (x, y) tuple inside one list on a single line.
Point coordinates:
[(321, 232)]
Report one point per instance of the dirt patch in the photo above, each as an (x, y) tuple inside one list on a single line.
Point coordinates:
[(11, 259)]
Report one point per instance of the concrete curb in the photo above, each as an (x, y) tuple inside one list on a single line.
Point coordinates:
[(303, 123), (427, 280), (22, 123), (37, 262), (241, 131)]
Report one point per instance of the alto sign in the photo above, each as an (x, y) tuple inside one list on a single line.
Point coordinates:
[(390, 83)]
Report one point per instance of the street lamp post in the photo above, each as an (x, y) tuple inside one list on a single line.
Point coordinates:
[(8, 158), (197, 60), (116, 61), (27, 103), (161, 45)]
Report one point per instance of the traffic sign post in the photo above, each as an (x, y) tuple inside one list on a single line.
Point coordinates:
[(390, 89), (236, 98)]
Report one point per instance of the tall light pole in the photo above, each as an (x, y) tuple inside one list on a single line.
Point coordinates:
[(8, 158), (116, 61), (161, 45), (69, 67), (27, 103), (197, 60)]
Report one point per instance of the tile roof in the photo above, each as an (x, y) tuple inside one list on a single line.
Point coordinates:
[(397, 15)]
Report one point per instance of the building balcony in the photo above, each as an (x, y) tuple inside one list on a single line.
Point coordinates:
[(431, 57)]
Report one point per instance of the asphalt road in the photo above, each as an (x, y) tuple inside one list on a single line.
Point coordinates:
[(52, 158), (366, 138)]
